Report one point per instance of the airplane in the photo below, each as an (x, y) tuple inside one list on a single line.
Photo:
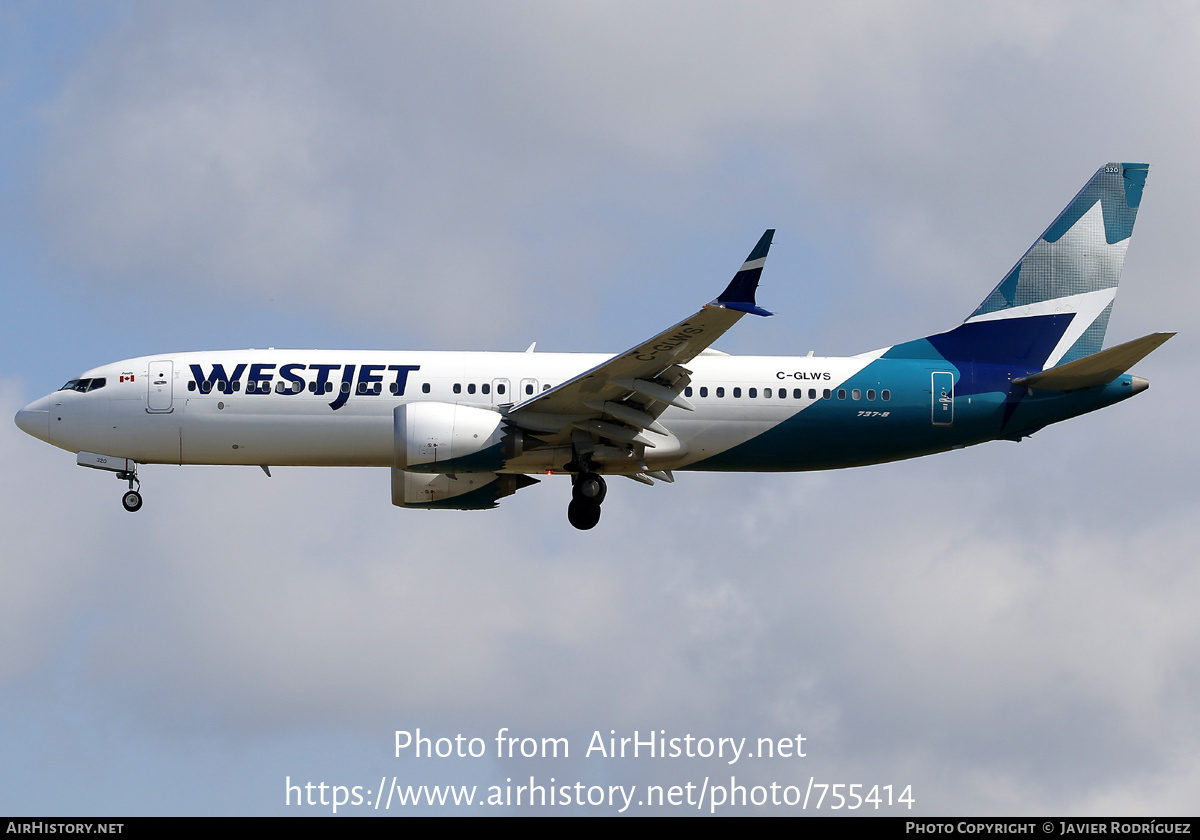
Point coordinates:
[(463, 430)]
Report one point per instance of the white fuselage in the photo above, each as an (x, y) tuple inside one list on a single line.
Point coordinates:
[(335, 408)]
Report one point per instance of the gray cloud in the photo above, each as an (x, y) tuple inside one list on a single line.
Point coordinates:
[(410, 157)]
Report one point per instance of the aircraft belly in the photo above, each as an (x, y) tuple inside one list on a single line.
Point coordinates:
[(148, 438), (707, 437), (266, 430)]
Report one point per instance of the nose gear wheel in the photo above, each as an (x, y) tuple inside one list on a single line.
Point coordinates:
[(131, 499)]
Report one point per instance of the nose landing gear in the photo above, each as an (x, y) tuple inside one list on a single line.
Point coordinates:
[(587, 492), (125, 470), (131, 500)]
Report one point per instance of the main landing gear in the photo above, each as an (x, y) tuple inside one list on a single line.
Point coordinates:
[(587, 492), (131, 499)]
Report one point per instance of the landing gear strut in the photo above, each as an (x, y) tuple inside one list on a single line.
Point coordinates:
[(131, 500), (587, 492)]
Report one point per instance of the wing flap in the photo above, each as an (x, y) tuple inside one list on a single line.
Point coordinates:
[(655, 391)]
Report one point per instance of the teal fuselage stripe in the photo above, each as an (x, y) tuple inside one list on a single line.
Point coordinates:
[(485, 460), (481, 498), (832, 434)]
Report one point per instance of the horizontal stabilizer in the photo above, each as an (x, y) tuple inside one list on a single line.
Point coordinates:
[(1098, 368)]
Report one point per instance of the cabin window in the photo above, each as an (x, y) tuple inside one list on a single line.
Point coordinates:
[(752, 393), (192, 386), (485, 388), (704, 390), (528, 388), (841, 393), (812, 394), (767, 393), (720, 392), (885, 395), (471, 388), (500, 388), (458, 387), (737, 393), (826, 394), (545, 387), (870, 395), (424, 388), (345, 387), (687, 392), (856, 394)]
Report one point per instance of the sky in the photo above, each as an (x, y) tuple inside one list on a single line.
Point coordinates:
[(1004, 630)]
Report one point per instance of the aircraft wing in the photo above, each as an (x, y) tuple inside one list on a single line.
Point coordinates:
[(623, 397)]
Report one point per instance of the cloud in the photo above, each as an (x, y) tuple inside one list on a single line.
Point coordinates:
[(384, 165)]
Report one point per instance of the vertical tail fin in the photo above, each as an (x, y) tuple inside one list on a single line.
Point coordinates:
[(1053, 306), (1075, 266)]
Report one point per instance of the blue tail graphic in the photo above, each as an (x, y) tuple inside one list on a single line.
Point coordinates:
[(1053, 306)]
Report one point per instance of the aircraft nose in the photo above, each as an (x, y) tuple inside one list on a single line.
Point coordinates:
[(34, 419)]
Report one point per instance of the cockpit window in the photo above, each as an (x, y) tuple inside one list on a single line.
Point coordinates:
[(84, 385)]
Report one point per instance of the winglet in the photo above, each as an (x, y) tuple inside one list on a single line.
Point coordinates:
[(739, 294)]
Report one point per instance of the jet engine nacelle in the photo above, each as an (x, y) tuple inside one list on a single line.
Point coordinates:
[(445, 438), (466, 491)]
